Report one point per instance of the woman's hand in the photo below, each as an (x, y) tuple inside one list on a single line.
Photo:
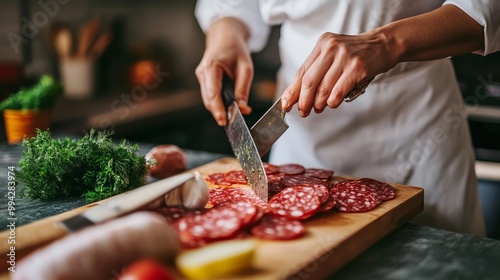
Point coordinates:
[(226, 52), (336, 64)]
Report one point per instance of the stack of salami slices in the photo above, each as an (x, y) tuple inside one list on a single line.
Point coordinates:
[(296, 194)]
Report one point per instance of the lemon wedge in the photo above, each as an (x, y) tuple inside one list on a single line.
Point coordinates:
[(217, 259)]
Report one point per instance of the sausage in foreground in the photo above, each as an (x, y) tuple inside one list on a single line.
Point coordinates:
[(101, 251)]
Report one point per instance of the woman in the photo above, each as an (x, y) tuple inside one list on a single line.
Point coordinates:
[(409, 126)]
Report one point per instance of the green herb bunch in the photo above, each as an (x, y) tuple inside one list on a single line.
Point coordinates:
[(93, 166), (43, 95)]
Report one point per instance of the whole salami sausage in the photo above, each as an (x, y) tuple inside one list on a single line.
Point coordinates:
[(101, 251), (167, 160)]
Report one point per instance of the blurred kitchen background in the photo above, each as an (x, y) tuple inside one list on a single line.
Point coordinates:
[(156, 41), (137, 77)]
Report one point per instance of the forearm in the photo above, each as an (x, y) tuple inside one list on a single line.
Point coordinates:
[(446, 31), (224, 29)]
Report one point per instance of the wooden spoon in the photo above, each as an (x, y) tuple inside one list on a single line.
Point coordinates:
[(87, 36), (50, 36), (63, 42), (100, 45)]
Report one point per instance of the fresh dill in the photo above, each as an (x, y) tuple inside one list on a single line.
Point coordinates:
[(93, 166)]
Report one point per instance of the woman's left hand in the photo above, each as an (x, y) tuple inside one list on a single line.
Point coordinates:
[(336, 64)]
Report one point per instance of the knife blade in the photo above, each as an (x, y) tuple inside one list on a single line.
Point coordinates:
[(269, 128), (242, 142), (127, 202)]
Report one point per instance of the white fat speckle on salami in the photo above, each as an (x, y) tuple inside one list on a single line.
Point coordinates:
[(322, 174), (384, 190), (298, 203), (353, 197), (292, 169), (236, 177), (278, 228)]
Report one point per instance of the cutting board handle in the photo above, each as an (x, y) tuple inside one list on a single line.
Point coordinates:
[(28, 238)]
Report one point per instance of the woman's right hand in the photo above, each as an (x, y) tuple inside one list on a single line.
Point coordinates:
[(227, 53)]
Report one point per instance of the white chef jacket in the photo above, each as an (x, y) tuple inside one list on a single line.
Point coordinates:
[(409, 127)]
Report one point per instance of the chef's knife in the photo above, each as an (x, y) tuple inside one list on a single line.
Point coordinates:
[(127, 202), (242, 142), (273, 124), (269, 128)]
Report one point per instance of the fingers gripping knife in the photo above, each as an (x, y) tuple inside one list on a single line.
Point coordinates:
[(273, 124)]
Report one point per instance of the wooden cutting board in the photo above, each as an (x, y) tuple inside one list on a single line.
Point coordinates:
[(332, 240)]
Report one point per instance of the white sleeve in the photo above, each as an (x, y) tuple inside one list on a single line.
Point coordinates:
[(207, 11), (487, 14)]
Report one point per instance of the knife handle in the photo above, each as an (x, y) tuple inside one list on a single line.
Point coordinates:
[(227, 91)]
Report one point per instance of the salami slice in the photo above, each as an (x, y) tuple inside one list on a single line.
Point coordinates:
[(292, 169), (274, 188), (300, 180), (277, 228), (189, 241), (173, 213), (247, 212), (218, 223), (275, 177), (298, 203), (270, 168), (217, 179), (218, 195), (328, 205), (236, 177), (384, 190), (353, 197), (274, 184), (322, 174), (322, 192)]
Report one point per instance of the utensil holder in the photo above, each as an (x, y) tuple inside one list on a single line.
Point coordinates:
[(78, 77)]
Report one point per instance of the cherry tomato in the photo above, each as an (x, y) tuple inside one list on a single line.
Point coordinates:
[(146, 269)]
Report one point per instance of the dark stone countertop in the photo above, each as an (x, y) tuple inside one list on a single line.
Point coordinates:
[(410, 252)]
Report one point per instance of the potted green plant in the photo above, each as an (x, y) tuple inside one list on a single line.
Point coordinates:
[(30, 108)]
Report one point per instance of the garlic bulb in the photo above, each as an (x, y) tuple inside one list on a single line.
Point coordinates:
[(193, 194)]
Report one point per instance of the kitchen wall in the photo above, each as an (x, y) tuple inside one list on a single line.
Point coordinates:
[(164, 30)]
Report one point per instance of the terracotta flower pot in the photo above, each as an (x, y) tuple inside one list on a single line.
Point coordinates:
[(21, 124)]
